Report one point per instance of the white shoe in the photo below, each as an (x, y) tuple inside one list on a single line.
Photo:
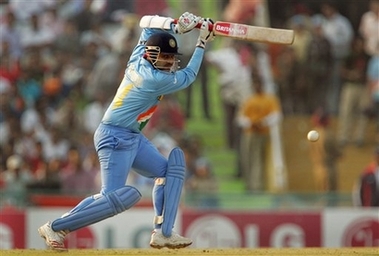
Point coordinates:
[(53, 239), (175, 241)]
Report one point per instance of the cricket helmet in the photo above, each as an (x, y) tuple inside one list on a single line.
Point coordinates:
[(162, 42)]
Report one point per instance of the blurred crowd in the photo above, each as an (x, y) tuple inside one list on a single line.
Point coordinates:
[(329, 73), (61, 61), (332, 73), (333, 67), (52, 53)]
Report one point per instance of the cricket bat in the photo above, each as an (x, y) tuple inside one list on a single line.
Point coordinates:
[(252, 33), (229, 29)]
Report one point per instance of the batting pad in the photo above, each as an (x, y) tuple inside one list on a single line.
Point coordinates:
[(102, 207), (173, 189)]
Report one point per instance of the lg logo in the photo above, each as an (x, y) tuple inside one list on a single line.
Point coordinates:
[(362, 233), (220, 231)]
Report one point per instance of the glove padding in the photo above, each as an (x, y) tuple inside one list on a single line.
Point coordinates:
[(186, 22), (205, 35)]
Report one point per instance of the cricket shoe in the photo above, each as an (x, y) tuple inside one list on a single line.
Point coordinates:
[(175, 241), (53, 239)]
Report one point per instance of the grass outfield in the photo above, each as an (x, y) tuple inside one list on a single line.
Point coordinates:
[(185, 252)]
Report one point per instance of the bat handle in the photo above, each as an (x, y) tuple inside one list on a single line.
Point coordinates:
[(198, 25)]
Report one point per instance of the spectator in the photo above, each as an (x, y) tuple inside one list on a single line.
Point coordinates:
[(338, 30), (72, 75), (9, 65), (203, 76), (34, 63), (354, 96), (37, 119), (35, 36), (5, 110), (74, 178), (369, 28), (11, 34), (233, 62), (52, 86), (91, 165), (324, 153), (96, 35), (319, 65), (55, 145), (287, 67), (234, 81), (258, 114), (35, 158), (299, 23), (89, 56), (48, 178), (72, 163), (300, 26), (365, 191), (203, 81), (51, 20), (201, 187), (200, 183), (68, 120), (93, 112), (14, 133), (29, 88), (126, 36), (24, 145), (23, 11), (193, 150), (85, 16), (107, 71), (373, 80), (16, 178), (68, 41)]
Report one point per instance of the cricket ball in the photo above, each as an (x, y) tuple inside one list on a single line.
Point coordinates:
[(313, 136)]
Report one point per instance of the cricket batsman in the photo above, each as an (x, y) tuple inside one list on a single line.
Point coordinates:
[(151, 72)]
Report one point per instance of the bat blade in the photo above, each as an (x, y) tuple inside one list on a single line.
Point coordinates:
[(254, 33)]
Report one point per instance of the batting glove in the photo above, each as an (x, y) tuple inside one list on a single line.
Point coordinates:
[(186, 22), (206, 34)]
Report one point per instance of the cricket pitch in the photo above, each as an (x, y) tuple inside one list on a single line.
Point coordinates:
[(370, 251)]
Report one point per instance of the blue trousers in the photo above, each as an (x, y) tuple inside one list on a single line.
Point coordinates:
[(119, 150)]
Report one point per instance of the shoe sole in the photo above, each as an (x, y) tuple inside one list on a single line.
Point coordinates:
[(169, 246), (58, 249)]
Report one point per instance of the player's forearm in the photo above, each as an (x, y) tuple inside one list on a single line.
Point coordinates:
[(196, 59)]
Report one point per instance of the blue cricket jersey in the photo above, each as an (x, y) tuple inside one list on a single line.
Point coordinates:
[(143, 87)]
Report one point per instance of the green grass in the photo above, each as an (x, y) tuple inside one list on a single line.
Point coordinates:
[(212, 132)]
